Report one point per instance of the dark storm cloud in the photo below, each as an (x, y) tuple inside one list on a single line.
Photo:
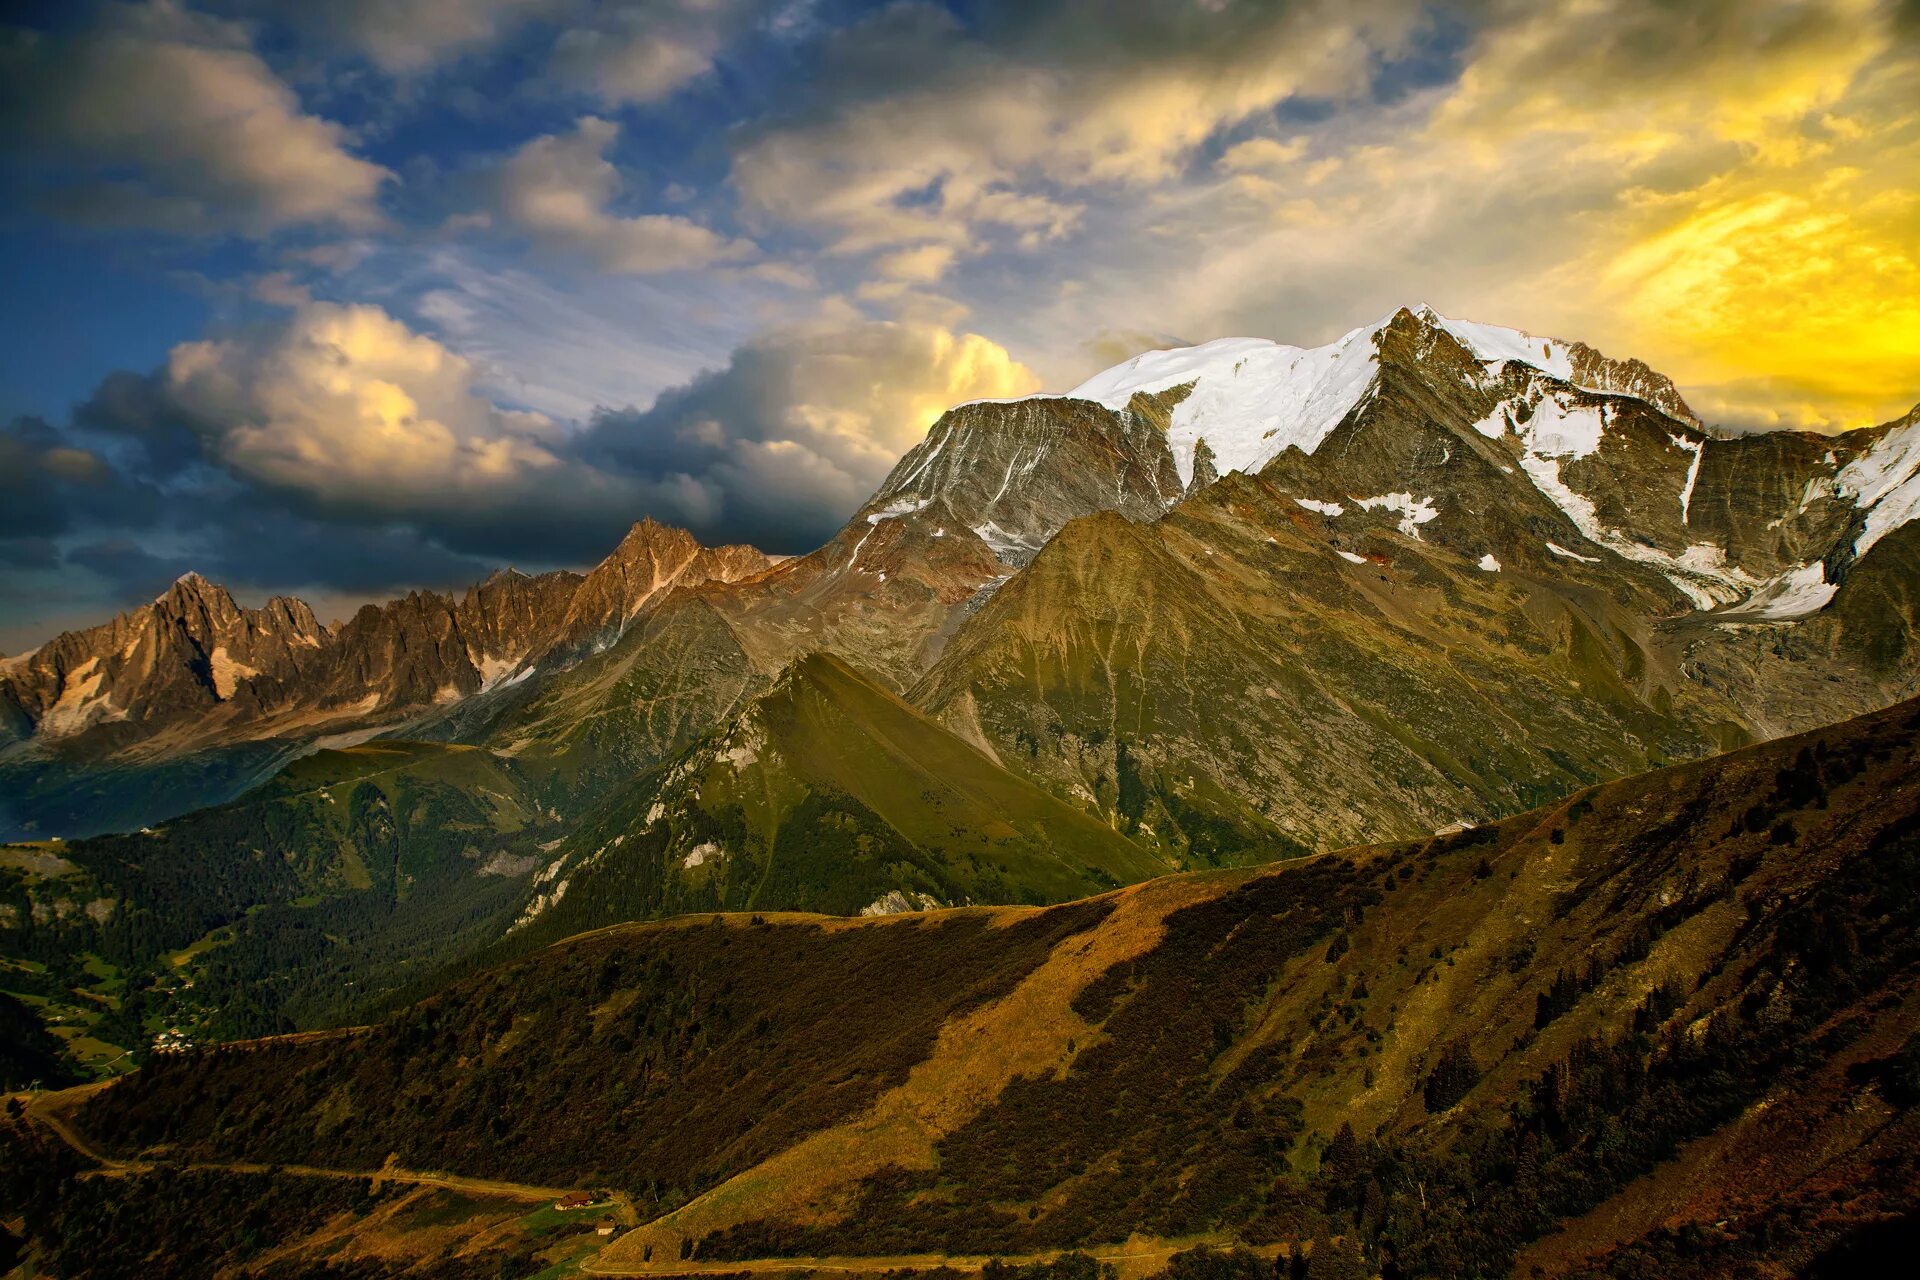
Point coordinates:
[(50, 485), (801, 424), (336, 448), (131, 571), (136, 408), (256, 543)]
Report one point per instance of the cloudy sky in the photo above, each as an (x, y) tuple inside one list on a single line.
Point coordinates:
[(341, 299)]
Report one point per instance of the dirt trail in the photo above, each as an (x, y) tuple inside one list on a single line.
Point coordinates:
[(52, 1110)]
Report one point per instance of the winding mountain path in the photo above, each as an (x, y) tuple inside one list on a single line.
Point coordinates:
[(54, 1110)]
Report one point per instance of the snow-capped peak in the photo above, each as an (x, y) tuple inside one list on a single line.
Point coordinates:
[(1492, 344), (1252, 398)]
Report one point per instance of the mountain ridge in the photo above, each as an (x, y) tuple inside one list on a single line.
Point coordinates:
[(1538, 462), (193, 672)]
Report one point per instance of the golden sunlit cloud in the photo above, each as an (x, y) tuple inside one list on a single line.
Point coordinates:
[(1778, 279), (1777, 295), (1729, 194)]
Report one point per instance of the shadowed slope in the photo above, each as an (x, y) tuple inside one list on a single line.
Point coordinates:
[(1445, 1046)]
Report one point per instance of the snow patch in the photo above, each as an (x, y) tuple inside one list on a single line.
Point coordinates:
[(1559, 550), (1351, 558), (498, 672), (1700, 596), (1545, 474), (1413, 511), (1489, 564), (1559, 430), (1324, 508), (1494, 344), (703, 853), (899, 507), (1496, 424), (1251, 399), (1006, 545), (82, 702), (1698, 448), (1793, 594), (1886, 482), (227, 673)]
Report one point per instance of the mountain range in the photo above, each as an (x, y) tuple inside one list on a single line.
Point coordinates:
[(1425, 511), (1216, 606)]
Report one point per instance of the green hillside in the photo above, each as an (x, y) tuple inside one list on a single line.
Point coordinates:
[(347, 874), (829, 794)]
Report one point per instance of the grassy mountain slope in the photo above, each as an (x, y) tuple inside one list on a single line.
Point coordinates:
[(346, 874), (828, 793), (1229, 683), (677, 672), (1572, 1031)]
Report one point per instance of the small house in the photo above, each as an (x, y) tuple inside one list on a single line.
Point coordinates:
[(573, 1200)]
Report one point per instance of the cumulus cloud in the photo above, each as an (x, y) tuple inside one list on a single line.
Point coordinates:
[(158, 116), (342, 418), (349, 408), (803, 423), (558, 189)]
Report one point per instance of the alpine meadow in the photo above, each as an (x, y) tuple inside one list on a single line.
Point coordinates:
[(960, 639)]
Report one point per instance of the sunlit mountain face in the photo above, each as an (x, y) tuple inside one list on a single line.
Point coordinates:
[(1227, 640)]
